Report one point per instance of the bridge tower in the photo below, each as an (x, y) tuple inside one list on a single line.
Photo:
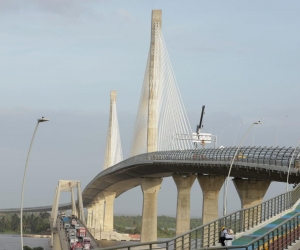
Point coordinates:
[(151, 186), (64, 186), (113, 153), (152, 129)]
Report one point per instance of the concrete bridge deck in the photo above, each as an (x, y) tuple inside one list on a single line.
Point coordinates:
[(270, 163)]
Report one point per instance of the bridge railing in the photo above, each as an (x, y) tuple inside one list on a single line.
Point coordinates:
[(260, 155), (208, 235), (280, 237)]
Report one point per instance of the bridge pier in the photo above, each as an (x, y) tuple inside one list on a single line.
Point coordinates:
[(80, 204), (74, 211), (251, 191), (211, 186), (88, 218), (99, 213), (184, 184), (56, 241), (150, 188), (109, 211)]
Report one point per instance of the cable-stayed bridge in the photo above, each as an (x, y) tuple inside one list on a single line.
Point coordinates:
[(162, 146)]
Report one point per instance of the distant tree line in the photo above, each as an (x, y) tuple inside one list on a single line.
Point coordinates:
[(35, 248), (165, 225), (35, 223)]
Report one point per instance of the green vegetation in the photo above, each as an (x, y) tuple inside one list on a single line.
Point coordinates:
[(33, 223), (165, 225)]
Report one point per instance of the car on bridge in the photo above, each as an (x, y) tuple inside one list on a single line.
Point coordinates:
[(240, 156), (198, 156)]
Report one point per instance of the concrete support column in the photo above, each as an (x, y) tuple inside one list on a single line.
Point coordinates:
[(251, 191), (184, 184), (109, 211), (54, 211), (88, 219), (80, 204), (54, 203), (210, 185), (99, 217), (56, 242), (150, 188), (74, 211), (91, 218), (94, 217)]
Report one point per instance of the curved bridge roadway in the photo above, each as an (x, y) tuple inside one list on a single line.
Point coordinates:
[(65, 206), (270, 163)]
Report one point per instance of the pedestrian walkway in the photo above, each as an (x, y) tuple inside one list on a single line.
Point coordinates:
[(246, 239)]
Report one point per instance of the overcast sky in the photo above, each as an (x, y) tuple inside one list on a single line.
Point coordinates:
[(61, 58)]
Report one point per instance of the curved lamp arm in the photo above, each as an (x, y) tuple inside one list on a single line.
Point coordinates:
[(231, 164), (24, 177), (290, 163)]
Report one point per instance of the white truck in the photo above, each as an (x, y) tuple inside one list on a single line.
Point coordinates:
[(86, 242), (72, 233), (73, 240), (73, 222)]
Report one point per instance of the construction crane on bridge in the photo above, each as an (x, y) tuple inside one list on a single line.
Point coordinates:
[(199, 137)]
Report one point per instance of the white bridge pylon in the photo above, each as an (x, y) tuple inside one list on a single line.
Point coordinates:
[(68, 186), (161, 121), (113, 153)]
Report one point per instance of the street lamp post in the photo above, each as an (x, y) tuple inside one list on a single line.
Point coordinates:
[(253, 136), (24, 176), (279, 130), (237, 132), (231, 164), (222, 133), (290, 163)]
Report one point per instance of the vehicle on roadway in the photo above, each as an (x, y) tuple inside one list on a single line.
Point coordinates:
[(73, 222), (72, 240), (72, 232), (76, 246), (81, 232), (67, 226), (86, 242)]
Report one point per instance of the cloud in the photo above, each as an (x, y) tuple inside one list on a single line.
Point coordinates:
[(125, 15)]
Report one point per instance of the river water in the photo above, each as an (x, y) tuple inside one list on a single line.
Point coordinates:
[(13, 242)]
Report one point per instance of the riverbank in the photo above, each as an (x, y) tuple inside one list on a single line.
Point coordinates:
[(37, 235), (28, 235)]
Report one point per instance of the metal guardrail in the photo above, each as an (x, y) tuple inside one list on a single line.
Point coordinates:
[(281, 237), (207, 236)]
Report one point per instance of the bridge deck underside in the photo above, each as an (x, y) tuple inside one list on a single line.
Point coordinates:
[(124, 178)]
